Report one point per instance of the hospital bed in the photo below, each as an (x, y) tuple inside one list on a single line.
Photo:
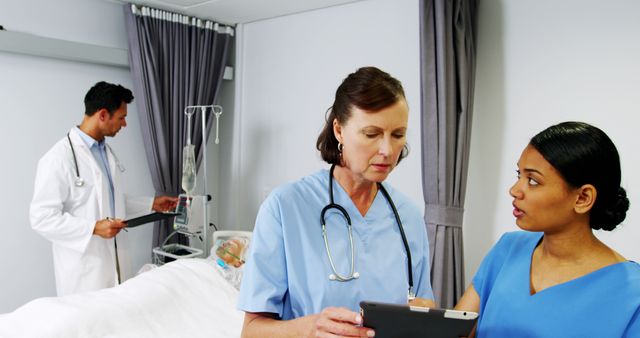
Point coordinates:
[(183, 298)]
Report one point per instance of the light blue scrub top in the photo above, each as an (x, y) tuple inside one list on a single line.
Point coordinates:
[(604, 303), (99, 152), (287, 269)]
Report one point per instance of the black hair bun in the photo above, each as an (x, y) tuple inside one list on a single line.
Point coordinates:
[(614, 213)]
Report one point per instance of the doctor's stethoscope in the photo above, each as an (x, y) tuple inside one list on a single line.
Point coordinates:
[(79, 181), (335, 276)]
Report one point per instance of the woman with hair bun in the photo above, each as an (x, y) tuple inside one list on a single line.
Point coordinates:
[(557, 278)]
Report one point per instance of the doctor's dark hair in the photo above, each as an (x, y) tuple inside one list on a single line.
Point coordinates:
[(584, 154), (369, 89), (106, 95)]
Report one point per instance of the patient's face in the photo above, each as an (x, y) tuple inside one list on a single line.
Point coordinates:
[(231, 252), (543, 201)]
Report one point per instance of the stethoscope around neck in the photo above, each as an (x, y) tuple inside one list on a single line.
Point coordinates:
[(79, 181), (336, 276)]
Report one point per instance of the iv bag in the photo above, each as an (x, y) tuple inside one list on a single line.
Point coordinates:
[(189, 160), (188, 169)]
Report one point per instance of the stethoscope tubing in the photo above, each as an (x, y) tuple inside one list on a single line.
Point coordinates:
[(353, 274), (79, 181), (404, 237), (337, 276)]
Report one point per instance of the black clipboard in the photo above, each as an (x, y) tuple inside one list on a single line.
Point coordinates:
[(405, 321), (152, 217)]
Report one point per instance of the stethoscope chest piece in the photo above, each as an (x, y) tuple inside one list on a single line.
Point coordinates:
[(79, 182), (355, 275)]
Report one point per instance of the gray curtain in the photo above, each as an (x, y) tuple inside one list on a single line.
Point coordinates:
[(175, 61), (448, 53)]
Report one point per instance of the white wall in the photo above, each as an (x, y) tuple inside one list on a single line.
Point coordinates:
[(541, 62), (288, 69), (40, 100)]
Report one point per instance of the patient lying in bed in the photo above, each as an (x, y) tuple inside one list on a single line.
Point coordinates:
[(228, 252), (229, 256), (186, 298)]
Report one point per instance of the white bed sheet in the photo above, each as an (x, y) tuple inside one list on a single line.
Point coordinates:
[(184, 298)]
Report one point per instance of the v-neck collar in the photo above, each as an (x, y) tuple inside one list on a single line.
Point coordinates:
[(351, 207), (569, 282)]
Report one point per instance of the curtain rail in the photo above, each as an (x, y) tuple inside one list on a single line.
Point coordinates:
[(180, 18)]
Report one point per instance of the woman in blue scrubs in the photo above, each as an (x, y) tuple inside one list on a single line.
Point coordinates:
[(300, 283), (556, 279)]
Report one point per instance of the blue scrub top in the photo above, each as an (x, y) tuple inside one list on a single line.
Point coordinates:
[(604, 303), (287, 269)]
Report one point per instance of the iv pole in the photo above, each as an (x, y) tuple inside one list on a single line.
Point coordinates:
[(217, 111)]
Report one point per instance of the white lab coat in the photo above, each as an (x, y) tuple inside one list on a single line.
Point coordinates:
[(66, 215)]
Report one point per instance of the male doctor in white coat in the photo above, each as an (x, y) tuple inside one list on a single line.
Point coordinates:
[(78, 203)]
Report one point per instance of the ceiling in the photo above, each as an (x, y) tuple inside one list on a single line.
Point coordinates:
[(238, 11)]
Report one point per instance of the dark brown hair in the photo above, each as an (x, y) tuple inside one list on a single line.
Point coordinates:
[(106, 95), (370, 89)]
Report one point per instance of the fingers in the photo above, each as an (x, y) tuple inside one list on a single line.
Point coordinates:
[(115, 225), (109, 227), (172, 203), (165, 203), (343, 315), (341, 322), (422, 302)]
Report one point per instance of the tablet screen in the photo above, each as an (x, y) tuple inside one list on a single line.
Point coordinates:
[(404, 321)]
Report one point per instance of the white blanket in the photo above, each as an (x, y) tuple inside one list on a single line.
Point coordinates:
[(185, 298)]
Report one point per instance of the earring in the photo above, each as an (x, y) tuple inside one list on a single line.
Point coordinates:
[(340, 146), (405, 150)]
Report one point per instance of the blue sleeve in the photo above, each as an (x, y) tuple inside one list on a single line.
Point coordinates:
[(264, 282), (490, 266)]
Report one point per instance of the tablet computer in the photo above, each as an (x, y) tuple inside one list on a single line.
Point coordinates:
[(152, 217), (404, 321)]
